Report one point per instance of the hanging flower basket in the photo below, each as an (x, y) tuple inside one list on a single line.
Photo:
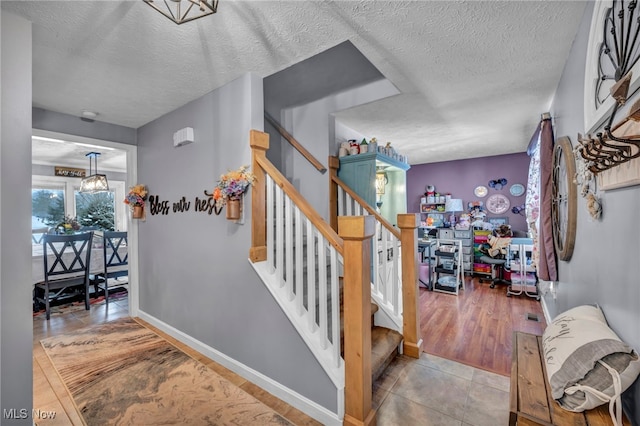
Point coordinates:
[(234, 209), (135, 199), (137, 212), (230, 189)]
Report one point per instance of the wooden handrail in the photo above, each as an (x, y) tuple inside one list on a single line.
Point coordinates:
[(367, 207), (297, 145), (306, 209)]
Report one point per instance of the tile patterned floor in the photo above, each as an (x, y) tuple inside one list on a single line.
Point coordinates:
[(439, 392), (426, 391)]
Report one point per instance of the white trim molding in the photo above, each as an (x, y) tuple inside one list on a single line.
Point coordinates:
[(291, 397)]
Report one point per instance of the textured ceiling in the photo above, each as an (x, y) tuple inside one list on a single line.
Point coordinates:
[(474, 76)]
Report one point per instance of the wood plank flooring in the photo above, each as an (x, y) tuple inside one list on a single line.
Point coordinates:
[(475, 328)]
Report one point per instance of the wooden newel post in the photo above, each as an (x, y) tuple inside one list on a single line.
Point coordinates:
[(259, 142), (408, 224), (334, 165), (356, 231)]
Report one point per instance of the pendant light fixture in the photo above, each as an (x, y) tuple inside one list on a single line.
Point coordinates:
[(94, 182), (181, 11)]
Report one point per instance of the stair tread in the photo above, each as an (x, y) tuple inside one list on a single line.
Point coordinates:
[(384, 345)]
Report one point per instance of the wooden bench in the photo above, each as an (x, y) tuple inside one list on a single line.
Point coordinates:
[(530, 397)]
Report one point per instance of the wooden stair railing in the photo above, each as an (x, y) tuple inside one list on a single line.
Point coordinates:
[(297, 145), (344, 201), (353, 244)]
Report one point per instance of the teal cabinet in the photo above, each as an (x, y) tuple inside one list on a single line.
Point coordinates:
[(359, 173)]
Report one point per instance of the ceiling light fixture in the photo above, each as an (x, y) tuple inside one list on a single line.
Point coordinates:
[(181, 11), (42, 138), (88, 145), (94, 182), (89, 116)]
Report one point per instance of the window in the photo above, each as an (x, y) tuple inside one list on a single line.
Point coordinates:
[(53, 198)]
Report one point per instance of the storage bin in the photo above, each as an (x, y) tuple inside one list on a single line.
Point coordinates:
[(462, 233), (466, 250), (448, 281), (445, 233), (424, 272), (448, 263), (482, 267)]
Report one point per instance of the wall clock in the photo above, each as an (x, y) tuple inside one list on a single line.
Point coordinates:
[(498, 204), (563, 199)]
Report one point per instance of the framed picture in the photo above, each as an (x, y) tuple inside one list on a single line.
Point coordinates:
[(497, 221)]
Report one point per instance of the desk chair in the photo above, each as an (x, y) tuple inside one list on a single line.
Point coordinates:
[(115, 262), (71, 258), (497, 270)]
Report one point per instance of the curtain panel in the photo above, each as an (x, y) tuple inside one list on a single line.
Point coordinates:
[(538, 200)]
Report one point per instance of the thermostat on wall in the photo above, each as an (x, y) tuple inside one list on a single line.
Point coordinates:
[(183, 136)]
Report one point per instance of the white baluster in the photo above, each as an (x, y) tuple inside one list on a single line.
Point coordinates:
[(311, 276), (279, 237), (289, 247), (270, 234), (322, 291), (335, 307), (299, 227)]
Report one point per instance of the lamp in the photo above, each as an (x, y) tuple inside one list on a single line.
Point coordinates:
[(181, 11), (94, 182), (381, 182), (453, 205)]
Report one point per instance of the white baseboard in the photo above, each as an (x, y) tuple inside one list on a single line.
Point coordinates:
[(312, 409)]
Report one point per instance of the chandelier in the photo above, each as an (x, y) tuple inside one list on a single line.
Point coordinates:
[(181, 11), (94, 182)]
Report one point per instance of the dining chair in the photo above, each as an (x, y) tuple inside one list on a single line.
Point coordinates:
[(37, 234), (116, 260), (66, 260)]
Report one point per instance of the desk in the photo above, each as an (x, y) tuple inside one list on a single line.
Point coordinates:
[(37, 266), (425, 247)]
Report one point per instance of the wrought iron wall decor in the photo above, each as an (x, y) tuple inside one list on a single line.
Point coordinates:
[(164, 207), (618, 52)]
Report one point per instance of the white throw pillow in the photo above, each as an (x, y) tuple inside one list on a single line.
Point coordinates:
[(587, 363)]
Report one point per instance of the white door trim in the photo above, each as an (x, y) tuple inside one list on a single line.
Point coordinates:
[(132, 226)]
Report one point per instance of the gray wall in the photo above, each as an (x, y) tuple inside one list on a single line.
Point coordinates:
[(64, 123), (314, 126), (194, 272), (604, 268), (335, 70), (16, 329)]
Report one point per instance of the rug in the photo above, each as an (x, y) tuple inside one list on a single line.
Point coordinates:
[(123, 373), (77, 304)]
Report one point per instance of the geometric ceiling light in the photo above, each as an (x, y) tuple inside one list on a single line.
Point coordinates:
[(180, 11), (94, 182)]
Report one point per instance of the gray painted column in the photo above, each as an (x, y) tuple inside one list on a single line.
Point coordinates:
[(16, 329)]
